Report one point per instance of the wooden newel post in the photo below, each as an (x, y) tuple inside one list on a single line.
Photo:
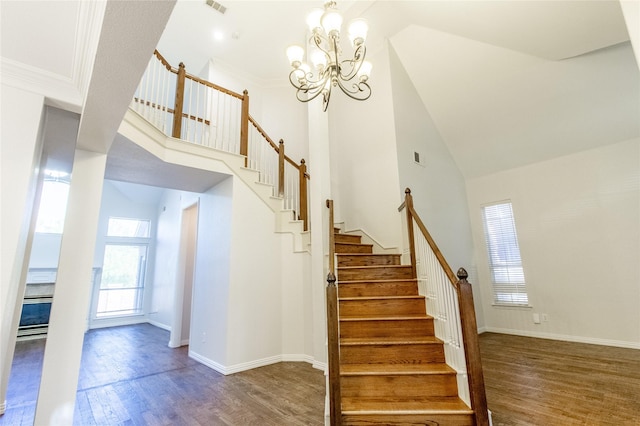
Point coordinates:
[(408, 205), (472, 349), (244, 127), (179, 104), (333, 330), (335, 409), (304, 214), (281, 169)]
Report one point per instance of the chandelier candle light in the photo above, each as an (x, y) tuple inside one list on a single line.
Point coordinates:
[(329, 70)]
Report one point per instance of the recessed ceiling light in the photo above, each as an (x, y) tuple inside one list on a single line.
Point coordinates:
[(218, 35)]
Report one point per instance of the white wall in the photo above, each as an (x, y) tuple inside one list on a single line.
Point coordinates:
[(255, 292), (45, 251), (166, 259), (577, 219), (365, 180), (438, 187), (210, 309)]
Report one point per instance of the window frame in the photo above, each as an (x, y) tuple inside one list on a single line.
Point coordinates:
[(504, 258), (112, 240)]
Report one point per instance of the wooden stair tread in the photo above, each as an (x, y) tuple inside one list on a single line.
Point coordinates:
[(366, 254), (364, 298), (424, 405), (396, 369), (377, 317), (390, 340), (374, 267), (388, 280), (346, 243)]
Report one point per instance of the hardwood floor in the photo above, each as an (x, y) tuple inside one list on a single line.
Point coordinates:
[(546, 382), (130, 377), (529, 382)]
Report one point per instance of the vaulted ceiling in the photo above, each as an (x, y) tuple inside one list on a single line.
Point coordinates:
[(507, 83)]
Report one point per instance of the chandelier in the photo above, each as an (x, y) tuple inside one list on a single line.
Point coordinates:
[(329, 69)]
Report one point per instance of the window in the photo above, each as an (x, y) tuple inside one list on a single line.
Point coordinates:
[(132, 228), (505, 264), (122, 283), (121, 287), (53, 202)]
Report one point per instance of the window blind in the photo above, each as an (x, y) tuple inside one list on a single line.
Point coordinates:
[(503, 252)]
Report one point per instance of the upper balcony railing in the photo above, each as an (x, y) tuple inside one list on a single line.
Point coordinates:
[(206, 114)]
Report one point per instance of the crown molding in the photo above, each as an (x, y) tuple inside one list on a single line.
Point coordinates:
[(59, 90)]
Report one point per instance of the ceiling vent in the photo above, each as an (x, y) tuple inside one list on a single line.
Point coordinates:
[(217, 6)]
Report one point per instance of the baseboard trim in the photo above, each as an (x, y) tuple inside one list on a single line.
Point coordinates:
[(368, 239), (320, 365), (226, 370), (159, 325), (564, 337), (117, 321)]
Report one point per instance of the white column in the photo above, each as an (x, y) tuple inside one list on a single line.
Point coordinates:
[(71, 300), (320, 191), (21, 149)]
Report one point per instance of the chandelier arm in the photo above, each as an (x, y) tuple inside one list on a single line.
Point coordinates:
[(308, 90), (361, 90), (318, 40), (354, 64)]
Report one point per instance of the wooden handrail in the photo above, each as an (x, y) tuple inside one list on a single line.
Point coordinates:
[(412, 214), (171, 111), (263, 133), (271, 142), (333, 339), (153, 105), (164, 62), (214, 86), (245, 119), (468, 325)]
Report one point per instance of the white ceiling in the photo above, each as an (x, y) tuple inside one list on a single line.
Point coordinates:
[(506, 82)]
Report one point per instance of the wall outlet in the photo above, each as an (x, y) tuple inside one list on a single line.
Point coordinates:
[(536, 318)]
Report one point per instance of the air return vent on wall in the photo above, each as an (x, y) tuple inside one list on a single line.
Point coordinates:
[(217, 6)]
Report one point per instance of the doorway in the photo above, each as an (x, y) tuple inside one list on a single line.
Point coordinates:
[(181, 329)]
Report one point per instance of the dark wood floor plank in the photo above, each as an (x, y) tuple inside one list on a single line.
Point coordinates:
[(143, 382), (130, 377), (544, 382)]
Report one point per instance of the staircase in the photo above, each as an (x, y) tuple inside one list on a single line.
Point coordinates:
[(392, 367)]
